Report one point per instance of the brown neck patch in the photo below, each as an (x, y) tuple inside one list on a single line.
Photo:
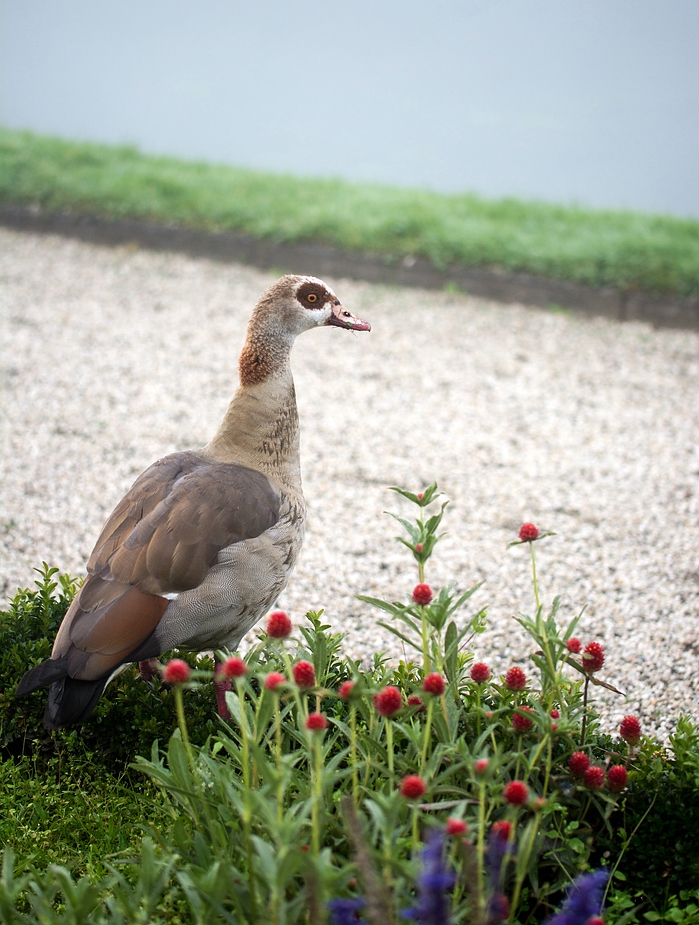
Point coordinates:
[(254, 365), (261, 356)]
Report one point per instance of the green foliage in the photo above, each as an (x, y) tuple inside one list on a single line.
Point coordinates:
[(262, 820), (662, 804), (125, 723), (624, 249)]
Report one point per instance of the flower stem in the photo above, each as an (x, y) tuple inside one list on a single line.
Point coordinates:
[(353, 753), (389, 744), (536, 583), (480, 853), (317, 789), (583, 726), (247, 788), (427, 735)]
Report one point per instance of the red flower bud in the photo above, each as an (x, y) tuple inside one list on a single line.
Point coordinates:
[(502, 829), (316, 722), (574, 645), (528, 532), (278, 625), (578, 763), (480, 672), (413, 787), (456, 826), (515, 679), (304, 674), (273, 680), (422, 594), (176, 671), (344, 691), (434, 684), (521, 722), (516, 793), (593, 657), (414, 700), (233, 667), (388, 701), (617, 777), (593, 778), (630, 730)]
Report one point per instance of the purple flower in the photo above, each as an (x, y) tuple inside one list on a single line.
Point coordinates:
[(346, 911), (584, 900), (434, 883), (499, 846)]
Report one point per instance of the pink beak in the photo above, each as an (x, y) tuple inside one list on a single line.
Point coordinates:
[(341, 318)]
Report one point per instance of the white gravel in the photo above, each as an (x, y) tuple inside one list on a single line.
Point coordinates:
[(114, 357)]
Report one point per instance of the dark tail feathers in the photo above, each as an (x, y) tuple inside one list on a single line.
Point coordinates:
[(70, 701)]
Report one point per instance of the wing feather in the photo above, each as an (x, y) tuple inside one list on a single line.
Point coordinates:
[(162, 538)]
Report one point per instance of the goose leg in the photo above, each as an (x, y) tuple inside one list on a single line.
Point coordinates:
[(148, 669), (221, 685)]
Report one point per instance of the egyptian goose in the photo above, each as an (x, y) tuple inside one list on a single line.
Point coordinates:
[(205, 540)]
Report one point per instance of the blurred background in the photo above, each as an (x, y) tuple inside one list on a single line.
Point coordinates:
[(593, 102)]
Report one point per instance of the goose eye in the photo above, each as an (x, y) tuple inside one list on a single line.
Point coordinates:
[(311, 297)]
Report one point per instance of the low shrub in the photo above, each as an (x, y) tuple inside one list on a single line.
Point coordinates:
[(339, 792)]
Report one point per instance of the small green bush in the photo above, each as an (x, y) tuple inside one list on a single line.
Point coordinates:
[(126, 721)]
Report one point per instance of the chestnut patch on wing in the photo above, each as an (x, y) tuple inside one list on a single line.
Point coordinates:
[(313, 295)]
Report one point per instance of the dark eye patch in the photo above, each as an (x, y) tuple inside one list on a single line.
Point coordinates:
[(311, 295)]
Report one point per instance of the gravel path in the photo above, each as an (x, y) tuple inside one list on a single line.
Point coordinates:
[(114, 357)]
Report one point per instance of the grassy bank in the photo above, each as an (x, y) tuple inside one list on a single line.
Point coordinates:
[(624, 249)]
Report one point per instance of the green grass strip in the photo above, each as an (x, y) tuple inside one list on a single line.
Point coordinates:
[(625, 249)]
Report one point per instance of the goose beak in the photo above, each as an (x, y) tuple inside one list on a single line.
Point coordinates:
[(341, 318)]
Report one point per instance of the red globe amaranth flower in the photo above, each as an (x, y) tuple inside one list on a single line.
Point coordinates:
[(456, 826), (574, 645), (304, 674), (481, 765), (480, 672), (593, 778), (578, 763), (176, 671), (555, 714), (418, 547), (422, 594), (521, 722), (413, 787), (516, 793), (593, 656), (630, 730), (515, 679), (528, 532), (617, 777), (420, 495), (278, 625), (388, 701), (316, 722), (434, 684), (233, 667), (273, 680), (595, 920), (344, 691), (414, 700), (502, 829)]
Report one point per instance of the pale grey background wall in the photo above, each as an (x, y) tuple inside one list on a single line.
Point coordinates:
[(588, 101)]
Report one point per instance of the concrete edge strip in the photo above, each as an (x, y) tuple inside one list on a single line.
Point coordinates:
[(324, 260)]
